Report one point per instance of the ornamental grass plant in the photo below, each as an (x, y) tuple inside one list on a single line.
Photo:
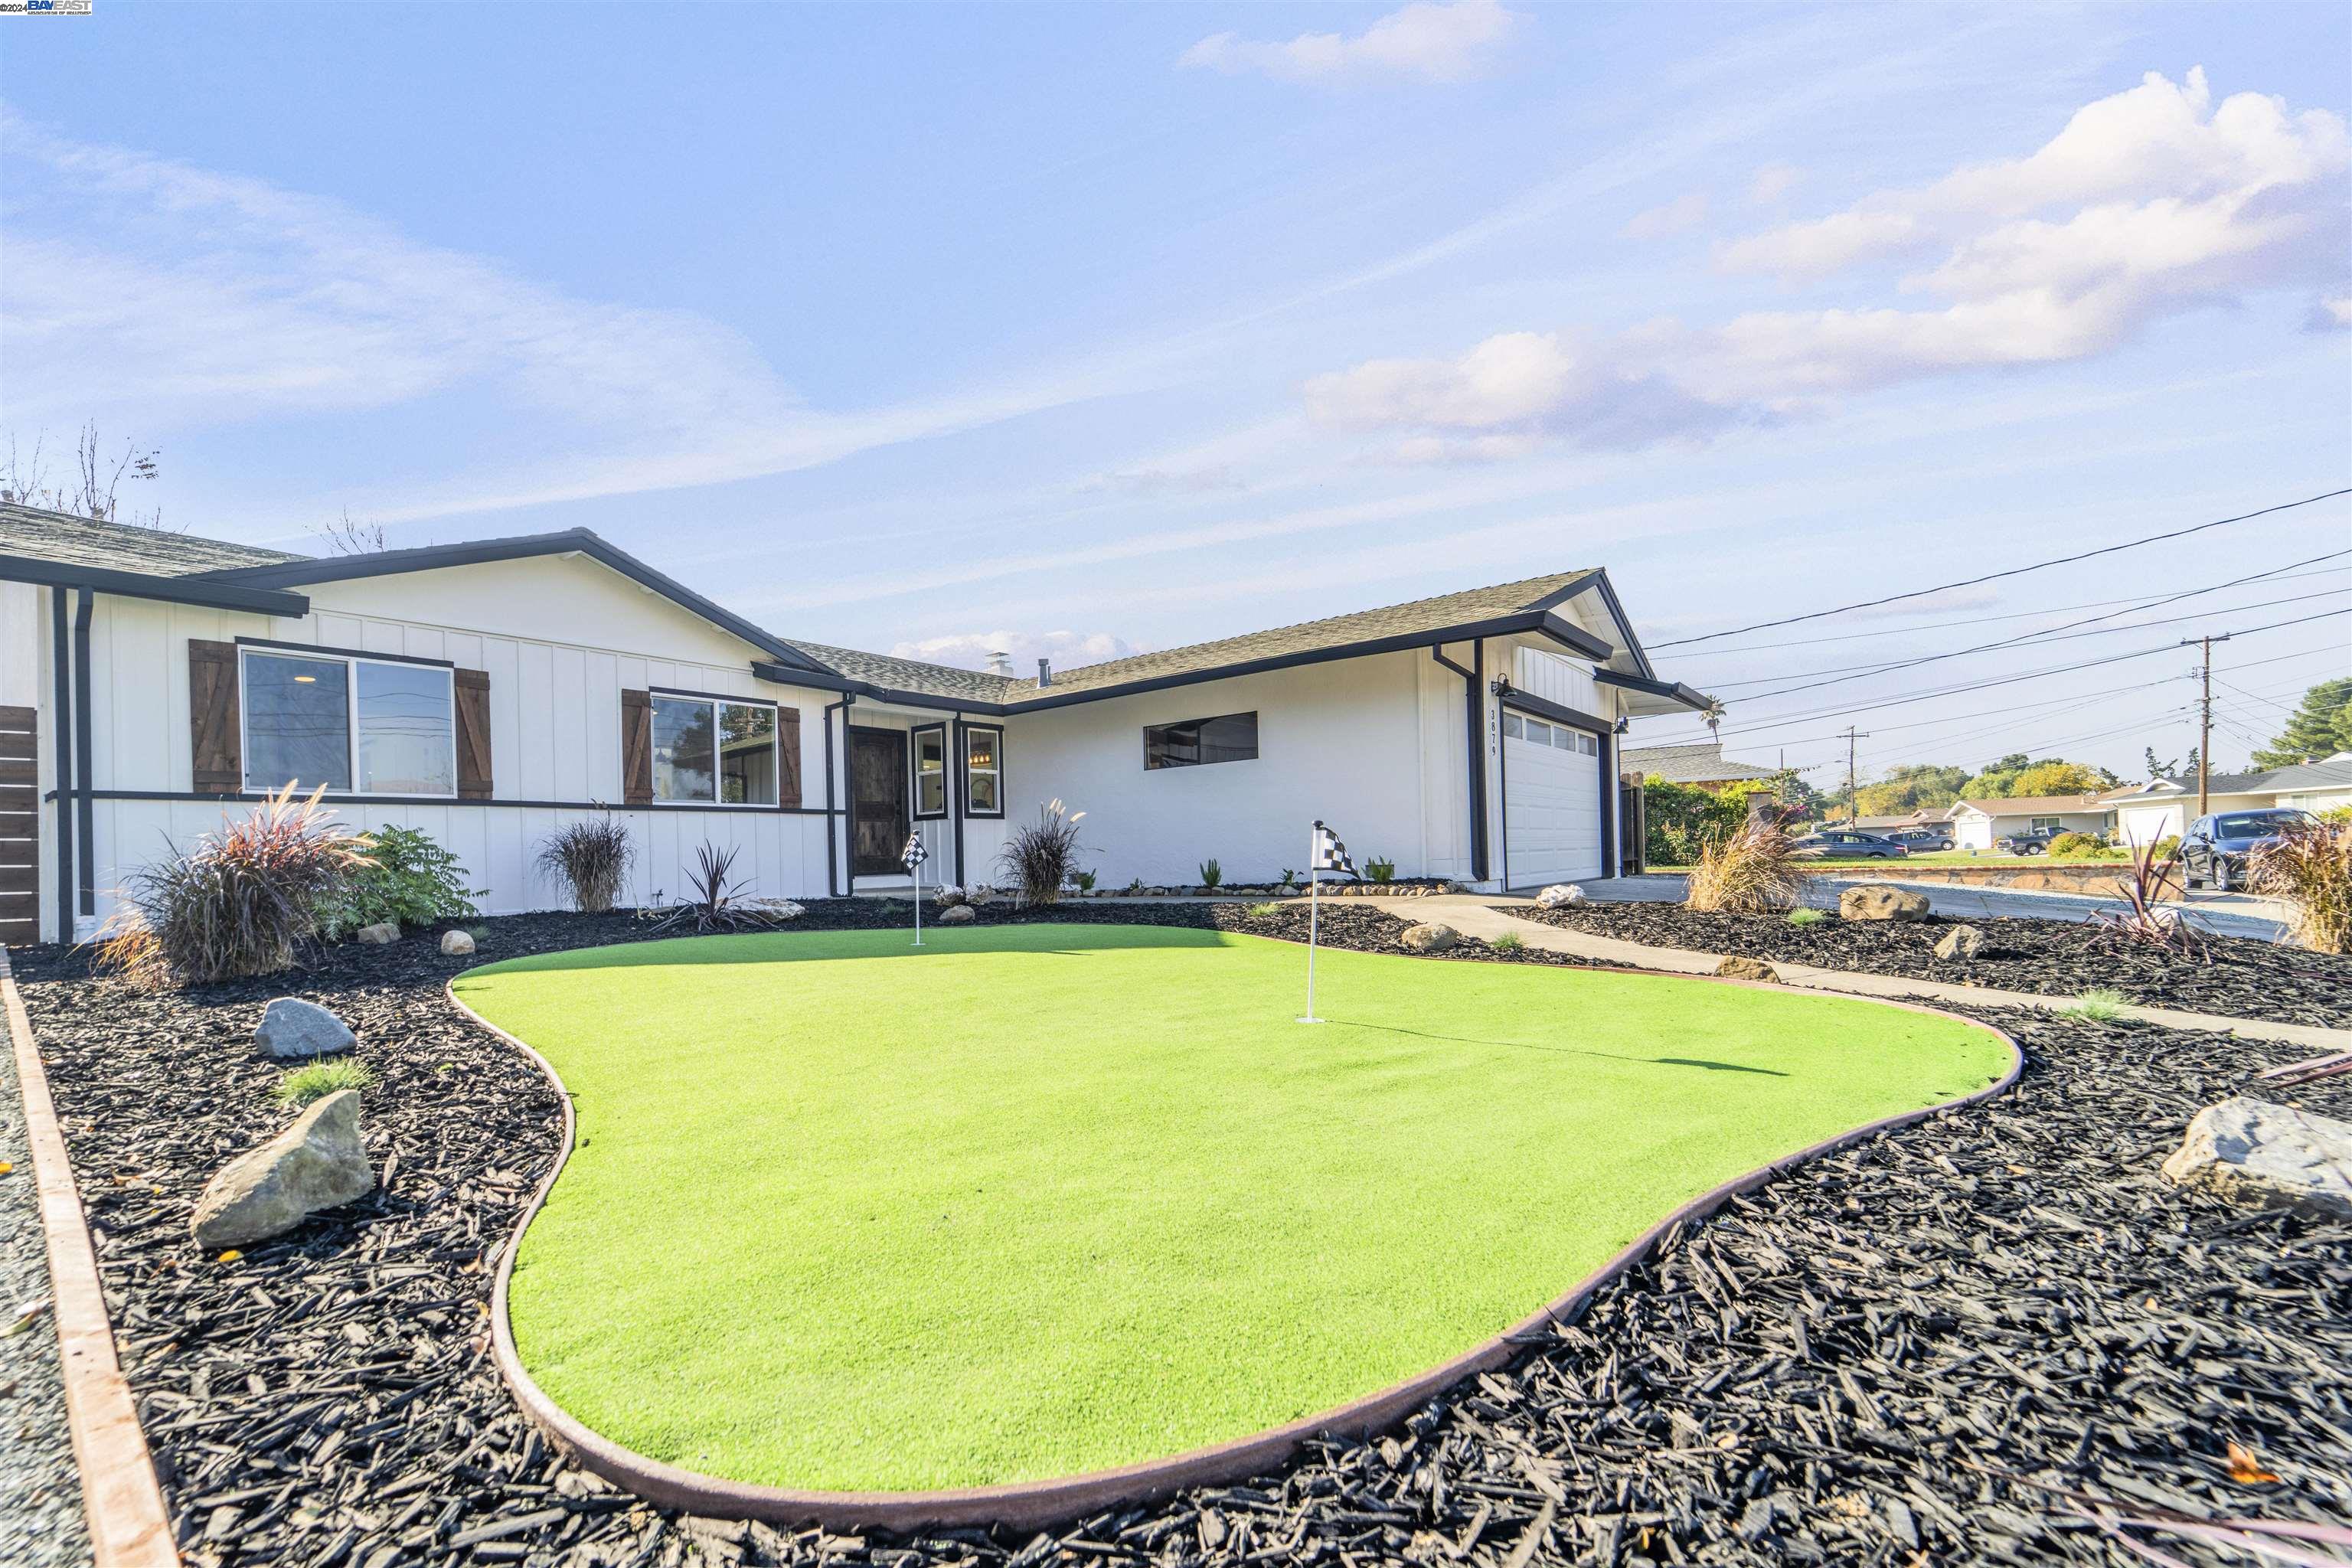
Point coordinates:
[(1040, 856), (2311, 868), (588, 859), (1750, 871)]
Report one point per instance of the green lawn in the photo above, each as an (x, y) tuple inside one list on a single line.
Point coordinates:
[(1044, 1199)]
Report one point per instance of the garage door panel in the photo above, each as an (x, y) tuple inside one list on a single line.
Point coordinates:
[(1551, 807)]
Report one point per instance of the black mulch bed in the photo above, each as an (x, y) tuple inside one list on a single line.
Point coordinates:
[(2242, 978), (1836, 1368)]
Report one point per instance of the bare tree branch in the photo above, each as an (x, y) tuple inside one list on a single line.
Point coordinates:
[(347, 537)]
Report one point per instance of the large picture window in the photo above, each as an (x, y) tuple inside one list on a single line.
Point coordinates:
[(930, 770), (708, 751), (983, 771), (363, 725), (1195, 742)]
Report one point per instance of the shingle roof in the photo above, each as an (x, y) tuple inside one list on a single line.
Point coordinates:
[(2324, 775), (2036, 804), (1698, 763), (913, 675), (83, 541)]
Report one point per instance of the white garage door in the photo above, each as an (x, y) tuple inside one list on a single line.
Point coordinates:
[(1551, 802)]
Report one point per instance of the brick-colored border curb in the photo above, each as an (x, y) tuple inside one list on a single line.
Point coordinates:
[(1028, 1505), (129, 1525)]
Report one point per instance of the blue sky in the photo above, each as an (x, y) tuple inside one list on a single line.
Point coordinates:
[(1072, 329)]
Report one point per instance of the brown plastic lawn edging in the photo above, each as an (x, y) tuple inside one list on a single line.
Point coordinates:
[(129, 1525), (1028, 1505)]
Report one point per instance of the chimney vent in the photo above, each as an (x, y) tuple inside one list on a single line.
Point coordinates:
[(1000, 662), (1045, 673)]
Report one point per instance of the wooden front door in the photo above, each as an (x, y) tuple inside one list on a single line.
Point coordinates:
[(877, 800)]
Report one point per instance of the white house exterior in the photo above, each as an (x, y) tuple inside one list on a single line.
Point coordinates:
[(1981, 824), (2160, 808), (488, 693)]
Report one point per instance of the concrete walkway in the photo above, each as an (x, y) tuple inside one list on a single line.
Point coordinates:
[(1476, 915)]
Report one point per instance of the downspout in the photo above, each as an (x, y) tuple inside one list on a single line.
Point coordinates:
[(831, 856), (951, 782), (62, 740), (83, 826), (1474, 701), (1503, 779), (1608, 804)]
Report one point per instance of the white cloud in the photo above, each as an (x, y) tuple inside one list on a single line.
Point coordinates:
[(2148, 203), (1441, 42), (1772, 181), (1684, 212), (971, 651)]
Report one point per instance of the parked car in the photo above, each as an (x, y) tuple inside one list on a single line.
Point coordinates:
[(1845, 844), (1918, 840), (2216, 848), (2035, 842)]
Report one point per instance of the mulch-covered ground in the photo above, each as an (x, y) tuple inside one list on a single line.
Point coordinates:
[(2239, 977), (1842, 1367)]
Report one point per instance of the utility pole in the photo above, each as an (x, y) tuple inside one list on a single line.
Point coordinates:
[(2204, 713), (1853, 798)]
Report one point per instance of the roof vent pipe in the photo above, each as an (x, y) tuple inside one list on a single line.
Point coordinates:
[(1045, 673)]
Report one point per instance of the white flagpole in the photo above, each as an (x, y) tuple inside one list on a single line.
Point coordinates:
[(1314, 911), (918, 903)]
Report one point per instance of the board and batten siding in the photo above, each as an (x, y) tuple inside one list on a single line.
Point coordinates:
[(555, 706)]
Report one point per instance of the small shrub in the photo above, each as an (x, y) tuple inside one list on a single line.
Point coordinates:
[(1750, 870), (1211, 872), (1041, 856), (2311, 868), (2100, 1004), (588, 859), (314, 1081), (244, 901), (1379, 870), (1806, 917), (1289, 878), (1135, 887), (717, 900), (2167, 847), (1509, 942), (2080, 844), (406, 878), (1264, 912), (1084, 881)]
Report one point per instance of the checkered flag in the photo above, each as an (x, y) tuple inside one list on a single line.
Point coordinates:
[(1331, 855), (915, 853)]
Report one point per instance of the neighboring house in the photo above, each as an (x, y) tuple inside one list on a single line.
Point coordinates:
[(1701, 762), (1981, 824), (490, 693), (1927, 816), (2160, 808)]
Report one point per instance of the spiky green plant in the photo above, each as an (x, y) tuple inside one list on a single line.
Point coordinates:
[(1264, 912), (2100, 1004), (1805, 916), (1509, 942), (315, 1080)]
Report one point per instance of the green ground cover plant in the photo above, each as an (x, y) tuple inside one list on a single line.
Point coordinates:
[(299, 1086), (1040, 1199)]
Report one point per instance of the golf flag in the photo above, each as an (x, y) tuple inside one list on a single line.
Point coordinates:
[(1328, 853), (912, 857), (915, 854)]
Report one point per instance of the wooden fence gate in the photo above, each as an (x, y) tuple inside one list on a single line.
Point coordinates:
[(20, 829)]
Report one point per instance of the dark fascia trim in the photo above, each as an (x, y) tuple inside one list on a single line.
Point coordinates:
[(963, 772), (829, 680), (915, 771), (1557, 712), (1599, 581), (709, 696), (253, 797), (1689, 696), (204, 591), (568, 542), (271, 645)]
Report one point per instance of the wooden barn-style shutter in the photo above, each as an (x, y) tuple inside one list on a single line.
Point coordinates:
[(788, 748), (216, 746), (473, 734), (636, 748)]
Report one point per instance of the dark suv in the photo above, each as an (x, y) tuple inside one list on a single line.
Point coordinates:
[(2216, 848), (2036, 842)]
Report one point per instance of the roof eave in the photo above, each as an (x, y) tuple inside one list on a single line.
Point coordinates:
[(1670, 696), (203, 590)]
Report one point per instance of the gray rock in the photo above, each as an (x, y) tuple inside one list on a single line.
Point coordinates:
[(292, 1027), (389, 931), (1871, 903), (947, 895), (456, 944), (1432, 938), (1560, 893), (314, 1164), (1960, 942), (2262, 1155), (960, 915), (979, 895), (1748, 969)]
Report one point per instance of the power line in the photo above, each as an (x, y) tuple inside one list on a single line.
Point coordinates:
[(2012, 571)]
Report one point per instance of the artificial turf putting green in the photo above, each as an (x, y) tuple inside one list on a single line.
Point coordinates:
[(1043, 1199)]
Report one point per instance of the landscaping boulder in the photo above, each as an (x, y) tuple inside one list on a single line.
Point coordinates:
[(2262, 1155), (1560, 893), (1960, 942), (292, 1027), (1882, 904), (388, 930), (979, 895), (960, 915), (1431, 938), (1736, 968), (314, 1164), (456, 944), (947, 895)]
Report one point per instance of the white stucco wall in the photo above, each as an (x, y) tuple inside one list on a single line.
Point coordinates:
[(1973, 832)]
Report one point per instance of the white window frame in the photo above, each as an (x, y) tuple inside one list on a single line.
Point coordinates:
[(717, 763), (2045, 823), (351, 663), (964, 770)]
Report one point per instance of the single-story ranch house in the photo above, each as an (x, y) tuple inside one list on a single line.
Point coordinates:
[(2159, 808), (1981, 824), (488, 692)]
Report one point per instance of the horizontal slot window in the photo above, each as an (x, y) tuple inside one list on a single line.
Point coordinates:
[(1198, 742)]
